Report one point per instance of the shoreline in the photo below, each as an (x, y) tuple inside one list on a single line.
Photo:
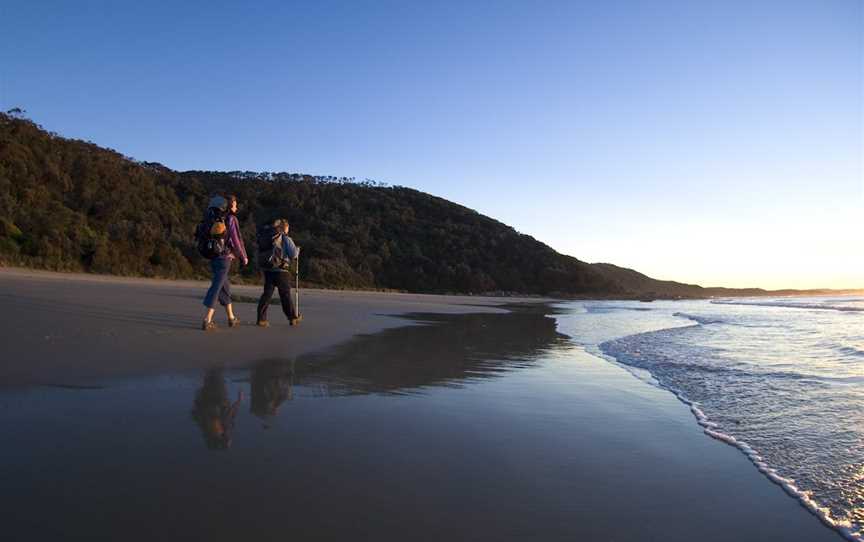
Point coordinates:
[(75, 332), (788, 485), (742, 444)]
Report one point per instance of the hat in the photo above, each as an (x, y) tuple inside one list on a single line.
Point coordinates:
[(218, 202)]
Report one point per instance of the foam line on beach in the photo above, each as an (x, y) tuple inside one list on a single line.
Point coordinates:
[(844, 527), (804, 497)]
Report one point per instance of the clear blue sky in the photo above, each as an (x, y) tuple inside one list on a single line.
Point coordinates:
[(717, 142)]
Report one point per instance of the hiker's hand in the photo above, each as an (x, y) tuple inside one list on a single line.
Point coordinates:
[(245, 261)]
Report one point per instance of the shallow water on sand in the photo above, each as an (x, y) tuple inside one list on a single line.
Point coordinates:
[(481, 427), (781, 379)]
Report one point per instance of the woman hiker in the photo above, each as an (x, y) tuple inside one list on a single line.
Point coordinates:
[(276, 252), (220, 288)]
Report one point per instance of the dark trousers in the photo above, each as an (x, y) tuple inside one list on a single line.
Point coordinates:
[(219, 287), (281, 281)]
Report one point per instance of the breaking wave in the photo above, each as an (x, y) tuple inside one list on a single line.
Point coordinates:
[(835, 306)]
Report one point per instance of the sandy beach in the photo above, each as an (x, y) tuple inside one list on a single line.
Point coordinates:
[(381, 416), (107, 325)]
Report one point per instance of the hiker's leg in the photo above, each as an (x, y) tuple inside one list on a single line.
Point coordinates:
[(219, 268), (285, 296), (225, 292), (264, 302)]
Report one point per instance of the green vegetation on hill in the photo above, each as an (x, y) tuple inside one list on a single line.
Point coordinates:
[(71, 205)]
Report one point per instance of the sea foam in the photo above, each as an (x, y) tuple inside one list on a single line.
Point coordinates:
[(763, 383)]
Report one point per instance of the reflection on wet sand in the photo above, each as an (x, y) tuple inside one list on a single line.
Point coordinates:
[(445, 350), (272, 384), (213, 412)]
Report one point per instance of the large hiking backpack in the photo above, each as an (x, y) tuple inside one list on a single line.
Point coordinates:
[(211, 234), (270, 255)]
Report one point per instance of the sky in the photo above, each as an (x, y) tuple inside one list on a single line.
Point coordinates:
[(717, 143)]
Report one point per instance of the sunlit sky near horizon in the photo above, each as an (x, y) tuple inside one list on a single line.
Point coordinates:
[(718, 143)]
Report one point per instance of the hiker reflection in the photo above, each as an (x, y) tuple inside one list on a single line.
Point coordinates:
[(272, 383), (213, 412)]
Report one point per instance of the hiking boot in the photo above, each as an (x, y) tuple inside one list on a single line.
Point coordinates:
[(233, 322), (295, 321), (262, 323), (207, 326)]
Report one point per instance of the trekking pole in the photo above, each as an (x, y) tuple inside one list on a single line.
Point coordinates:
[(297, 285)]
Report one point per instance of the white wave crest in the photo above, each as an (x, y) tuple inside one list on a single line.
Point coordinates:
[(704, 320), (791, 305)]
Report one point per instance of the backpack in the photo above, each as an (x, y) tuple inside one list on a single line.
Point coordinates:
[(211, 234), (270, 254)]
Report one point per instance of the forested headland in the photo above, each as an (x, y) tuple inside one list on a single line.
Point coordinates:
[(70, 205)]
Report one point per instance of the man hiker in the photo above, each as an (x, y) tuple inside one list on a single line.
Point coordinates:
[(220, 241), (276, 251)]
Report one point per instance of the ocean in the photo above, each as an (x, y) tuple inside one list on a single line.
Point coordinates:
[(781, 379)]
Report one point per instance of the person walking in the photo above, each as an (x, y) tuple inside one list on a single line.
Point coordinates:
[(220, 287), (276, 251)]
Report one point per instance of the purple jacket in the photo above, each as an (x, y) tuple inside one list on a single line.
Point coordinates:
[(235, 243)]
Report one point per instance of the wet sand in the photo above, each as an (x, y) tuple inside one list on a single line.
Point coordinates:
[(452, 421)]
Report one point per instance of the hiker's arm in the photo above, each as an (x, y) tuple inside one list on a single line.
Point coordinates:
[(237, 241), (289, 249)]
